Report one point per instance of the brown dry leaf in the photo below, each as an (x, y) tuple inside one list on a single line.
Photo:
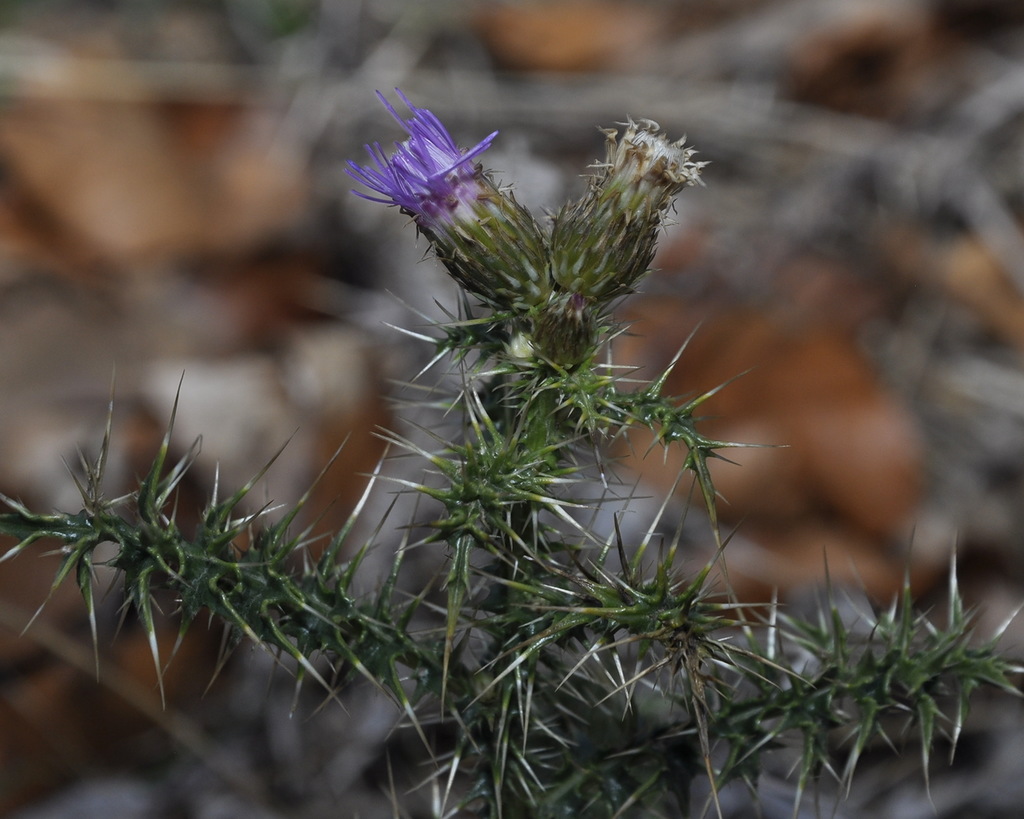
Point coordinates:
[(341, 377), (826, 290), (57, 720), (974, 276), (569, 35), (798, 557), (871, 62), (30, 236), (199, 129), (257, 302), (857, 451), (106, 171), (906, 250), (254, 185), (844, 451), (135, 182), (25, 582)]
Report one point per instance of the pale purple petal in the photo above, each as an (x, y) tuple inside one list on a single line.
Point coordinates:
[(427, 175)]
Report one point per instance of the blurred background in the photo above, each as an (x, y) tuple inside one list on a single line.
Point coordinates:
[(175, 220)]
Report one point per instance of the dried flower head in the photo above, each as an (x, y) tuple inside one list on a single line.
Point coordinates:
[(604, 243), (645, 156)]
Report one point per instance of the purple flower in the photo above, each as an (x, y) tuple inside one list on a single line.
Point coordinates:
[(428, 175)]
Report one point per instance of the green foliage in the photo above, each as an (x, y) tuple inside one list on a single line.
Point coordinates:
[(586, 675)]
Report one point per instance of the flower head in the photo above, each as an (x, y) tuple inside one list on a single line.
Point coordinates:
[(603, 244), (644, 156), (563, 278), (428, 176), (490, 243)]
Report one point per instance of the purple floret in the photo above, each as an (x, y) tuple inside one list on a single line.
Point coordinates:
[(428, 175)]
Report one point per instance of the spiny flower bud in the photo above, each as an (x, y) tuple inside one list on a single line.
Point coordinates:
[(603, 244), (564, 330), (501, 256), (490, 244)]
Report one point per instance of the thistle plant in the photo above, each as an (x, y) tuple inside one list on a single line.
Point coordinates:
[(581, 668)]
